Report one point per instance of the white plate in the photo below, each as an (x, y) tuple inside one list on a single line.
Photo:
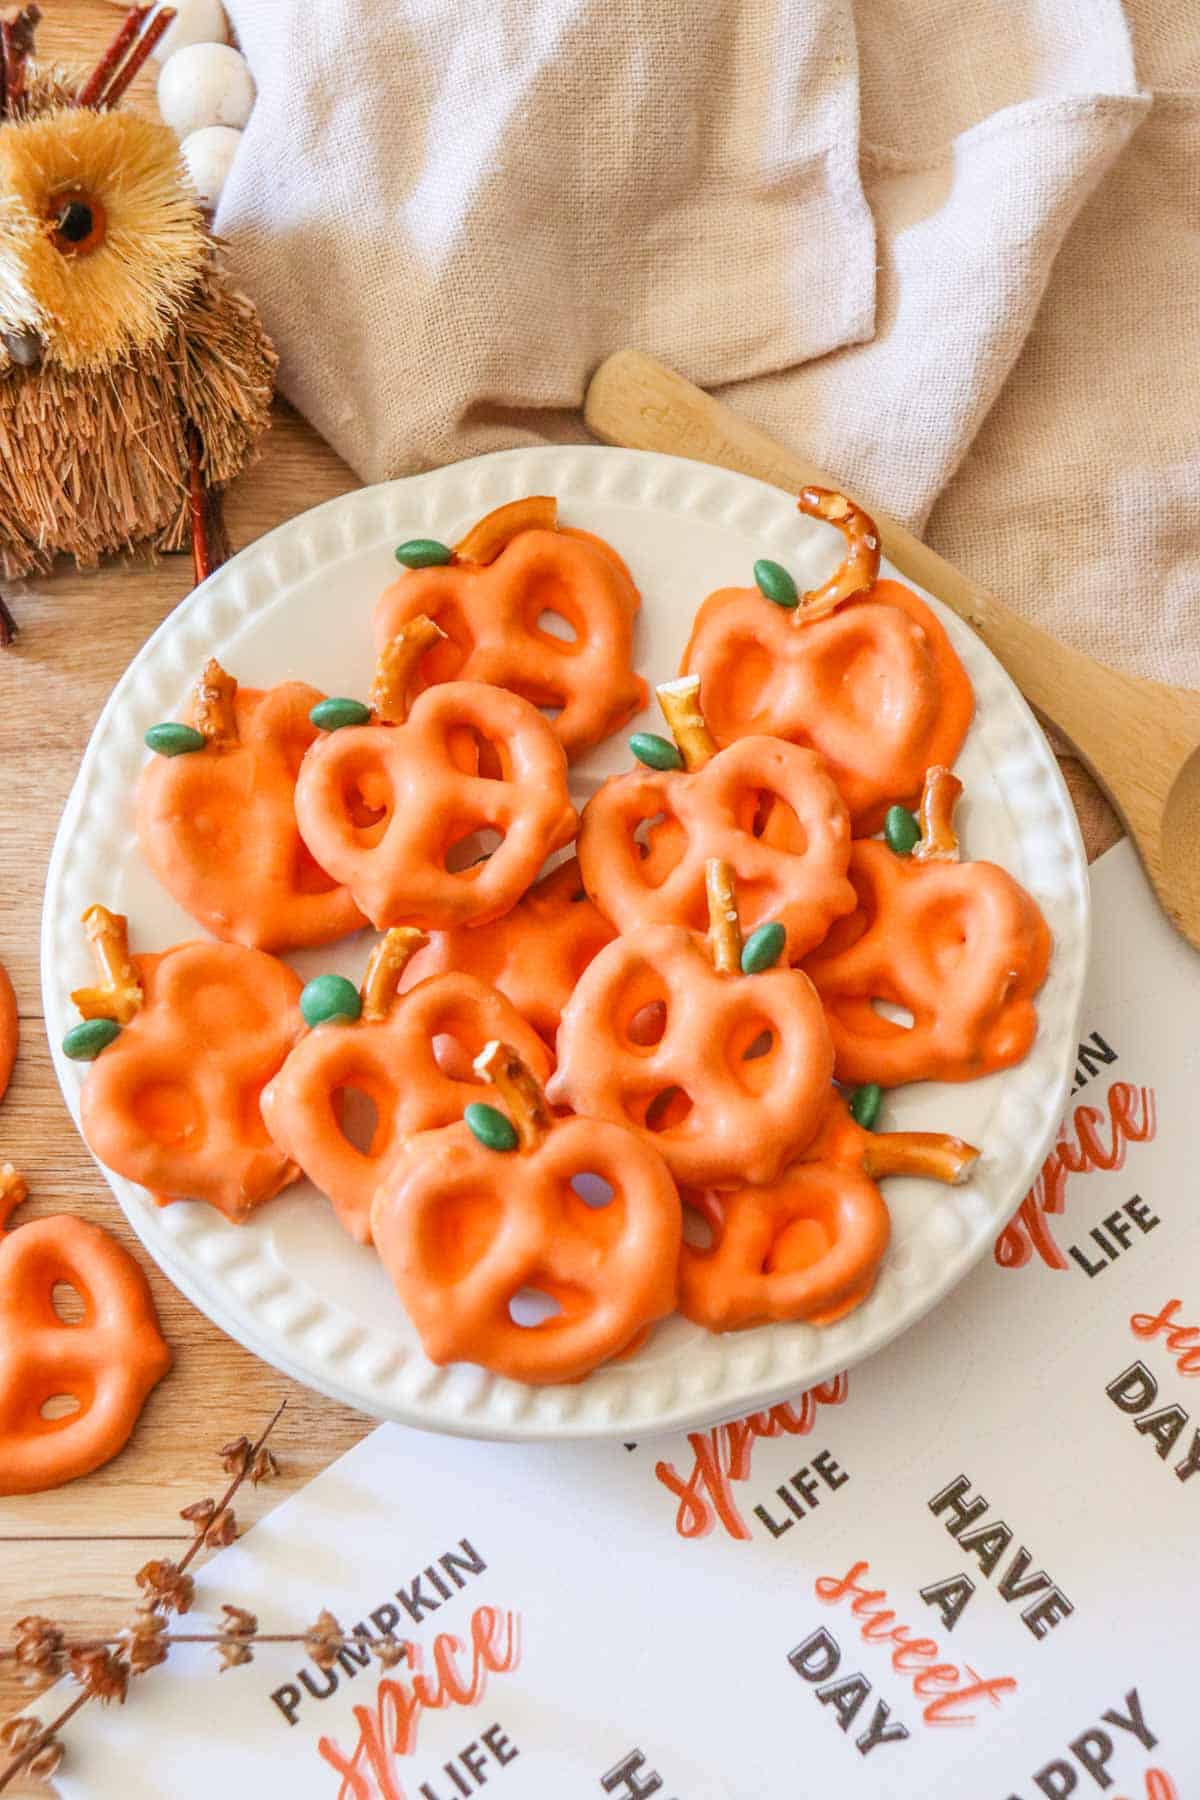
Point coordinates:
[(298, 603)]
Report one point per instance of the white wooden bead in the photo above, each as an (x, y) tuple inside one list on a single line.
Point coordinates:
[(209, 155), (196, 22), (205, 84)]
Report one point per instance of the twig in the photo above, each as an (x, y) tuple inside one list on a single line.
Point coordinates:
[(120, 83), (92, 92)]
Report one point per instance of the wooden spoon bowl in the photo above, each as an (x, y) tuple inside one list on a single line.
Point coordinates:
[(1140, 739)]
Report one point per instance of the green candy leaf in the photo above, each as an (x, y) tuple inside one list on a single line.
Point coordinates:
[(423, 553), (775, 583), (330, 997), (83, 1043), (171, 739), (334, 713), (901, 830), (656, 752), (493, 1129), (763, 948), (865, 1103)]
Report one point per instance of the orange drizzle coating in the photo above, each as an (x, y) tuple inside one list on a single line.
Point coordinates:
[(464, 1230), (173, 1102), (490, 601), (10, 1030), (875, 687), (810, 1245), (413, 1065), (218, 826), (960, 946), (655, 1038), (383, 808), (535, 954), (768, 808), (107, 1361)]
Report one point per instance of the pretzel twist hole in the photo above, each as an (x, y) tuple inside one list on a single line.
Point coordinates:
[(118, 994), (491, 534), (724, 925), (680, 703), (212, 706), (939, 797), (930, 1153), (397, 665), (858, 570), (519, 1089), (387, 963)]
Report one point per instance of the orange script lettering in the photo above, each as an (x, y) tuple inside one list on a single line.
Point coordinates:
[(389, 1729), (1131, 1119), (1179, 1337), (723, 1456), (869, 1605)]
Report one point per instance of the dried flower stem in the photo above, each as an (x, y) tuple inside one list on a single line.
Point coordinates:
[(8, 625), (248, 1459)]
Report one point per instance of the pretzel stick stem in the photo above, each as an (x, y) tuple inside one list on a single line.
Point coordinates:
[(680, 703), (939, 797), (397, 665), (489, 535), (859, 568), (387, 963), (929, 1153), (519, 1089), (212, 705), (118, 994), (724, 926)]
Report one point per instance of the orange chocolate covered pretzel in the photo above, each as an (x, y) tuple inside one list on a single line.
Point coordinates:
[(514, 566), (861, 670), (726, 1074), (10, 1030), (960, 946), (810, 1245), (216, 818), (535, 954), (107, 1361), (767, 808), (172, 1097), (411, 1056), (384, 806), (477, 1214)]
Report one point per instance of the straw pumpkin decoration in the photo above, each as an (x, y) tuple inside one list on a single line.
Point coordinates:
[(135, 381)]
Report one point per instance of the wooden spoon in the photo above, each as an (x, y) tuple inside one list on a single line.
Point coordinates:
[(1140, 739)]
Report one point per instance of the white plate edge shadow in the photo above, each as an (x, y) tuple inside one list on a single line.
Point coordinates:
[(739, 1372)]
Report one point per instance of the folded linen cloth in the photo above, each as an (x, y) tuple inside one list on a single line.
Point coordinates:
[(950, 248)]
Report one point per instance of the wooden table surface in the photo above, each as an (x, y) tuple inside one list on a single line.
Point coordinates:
[(72, 1553)]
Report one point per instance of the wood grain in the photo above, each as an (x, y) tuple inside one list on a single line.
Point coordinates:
[(72, 1553)]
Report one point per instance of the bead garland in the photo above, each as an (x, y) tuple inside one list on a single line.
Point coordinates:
[(205, 93)]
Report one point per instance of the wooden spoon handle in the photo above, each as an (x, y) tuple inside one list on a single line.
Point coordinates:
[(639, 403)]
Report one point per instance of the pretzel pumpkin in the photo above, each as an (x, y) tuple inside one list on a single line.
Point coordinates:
[(861, 670), (396, 1054), (960, 946), (10, 1030), (535, 954), (193, 1036), (810, 1245), (469, 1219), (665, 1034), (383, 806), (488, 597), (107, 1361), (768, 809), (216, 819)]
